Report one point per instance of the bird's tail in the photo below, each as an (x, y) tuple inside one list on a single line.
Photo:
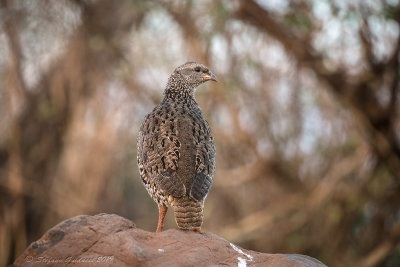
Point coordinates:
[(188, 214)]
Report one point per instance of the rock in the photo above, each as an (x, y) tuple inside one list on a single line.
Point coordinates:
[(110, 240)]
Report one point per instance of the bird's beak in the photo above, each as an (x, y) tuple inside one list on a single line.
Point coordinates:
[(210, 77)]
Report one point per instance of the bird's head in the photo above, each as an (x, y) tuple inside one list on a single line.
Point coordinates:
[(187, 77)]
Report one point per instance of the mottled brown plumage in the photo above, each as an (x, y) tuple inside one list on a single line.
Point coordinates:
[(176, 152)]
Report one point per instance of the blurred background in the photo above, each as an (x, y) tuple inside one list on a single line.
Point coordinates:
[(306, 118)]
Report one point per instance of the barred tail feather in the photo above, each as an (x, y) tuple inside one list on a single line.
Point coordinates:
[(188, 214)]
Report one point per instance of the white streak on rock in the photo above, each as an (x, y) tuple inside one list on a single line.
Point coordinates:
[(242, 262), (241, 251)]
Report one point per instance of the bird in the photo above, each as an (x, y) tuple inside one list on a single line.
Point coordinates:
[(176, 149)]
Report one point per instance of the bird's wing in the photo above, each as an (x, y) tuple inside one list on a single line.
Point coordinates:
[(158, 153), (205, 168)]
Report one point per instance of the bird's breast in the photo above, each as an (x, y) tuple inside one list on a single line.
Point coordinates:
[(187, 159)]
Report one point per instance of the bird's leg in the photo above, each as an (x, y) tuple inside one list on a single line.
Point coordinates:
[(162, 210), (197, 230)]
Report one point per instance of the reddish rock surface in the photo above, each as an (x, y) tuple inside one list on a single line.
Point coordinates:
[(110, 240)]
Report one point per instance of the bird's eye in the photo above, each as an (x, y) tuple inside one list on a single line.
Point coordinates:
[(197, 69)]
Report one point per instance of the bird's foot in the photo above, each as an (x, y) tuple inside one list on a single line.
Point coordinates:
[(197, 230)]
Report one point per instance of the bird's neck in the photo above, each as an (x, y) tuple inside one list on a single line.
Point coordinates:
[(179, 93)]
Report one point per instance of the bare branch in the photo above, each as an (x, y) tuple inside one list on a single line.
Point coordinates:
[(383, 249), (362, 98)]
